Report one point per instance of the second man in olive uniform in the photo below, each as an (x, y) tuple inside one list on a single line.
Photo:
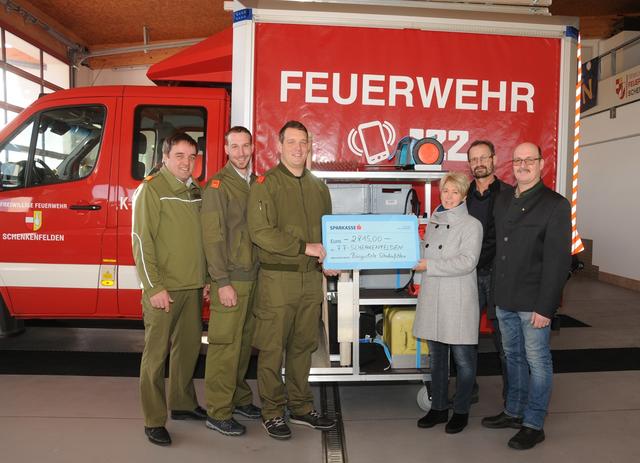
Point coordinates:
[(232, 263), (285, 209)]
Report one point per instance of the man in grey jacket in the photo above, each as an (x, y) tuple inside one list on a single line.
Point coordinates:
[(533, 257)]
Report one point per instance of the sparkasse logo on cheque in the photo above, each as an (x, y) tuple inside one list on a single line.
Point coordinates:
[(345, 227)]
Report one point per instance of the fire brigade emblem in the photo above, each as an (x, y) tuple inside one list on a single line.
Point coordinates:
[(620, 88), (34, 222)]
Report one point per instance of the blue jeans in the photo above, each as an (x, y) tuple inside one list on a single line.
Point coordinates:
[(466, 360), (529, 367), (484, 290)]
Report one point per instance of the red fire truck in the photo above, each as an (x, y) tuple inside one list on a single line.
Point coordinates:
[(69, 166), (360, 80)]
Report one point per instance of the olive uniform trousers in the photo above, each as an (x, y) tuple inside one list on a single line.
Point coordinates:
[(229, 352), (287, 320), (179, 330)]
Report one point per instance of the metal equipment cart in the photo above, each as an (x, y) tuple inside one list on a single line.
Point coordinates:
[(350, 297)]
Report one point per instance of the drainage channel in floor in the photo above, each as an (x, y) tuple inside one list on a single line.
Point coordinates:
[(334, 445)]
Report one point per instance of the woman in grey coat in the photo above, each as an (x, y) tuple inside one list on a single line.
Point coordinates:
[(447, 314)]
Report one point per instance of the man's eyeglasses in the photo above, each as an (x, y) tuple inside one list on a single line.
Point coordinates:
[(481, 159), (527, 161)]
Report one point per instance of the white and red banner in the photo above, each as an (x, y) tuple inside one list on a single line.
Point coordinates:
[(360, 90)]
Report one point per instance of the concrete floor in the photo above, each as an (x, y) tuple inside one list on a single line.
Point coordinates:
[(593, 417)]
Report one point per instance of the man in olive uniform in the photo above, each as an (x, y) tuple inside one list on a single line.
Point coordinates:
[(232, 262), (167, 249), (284, 214)]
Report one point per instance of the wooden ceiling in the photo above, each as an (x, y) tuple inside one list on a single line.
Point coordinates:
[(598, 18), (108, 24)]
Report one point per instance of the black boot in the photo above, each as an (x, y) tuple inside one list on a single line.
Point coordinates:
[(457, 423), (433, 417)]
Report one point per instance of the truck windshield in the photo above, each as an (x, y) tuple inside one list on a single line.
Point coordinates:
[(66, 147)]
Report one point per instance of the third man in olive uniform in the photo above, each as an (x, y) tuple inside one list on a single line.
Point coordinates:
[(285, 209), (232, 263)]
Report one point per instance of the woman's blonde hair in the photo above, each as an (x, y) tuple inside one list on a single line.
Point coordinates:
[(459, 179)]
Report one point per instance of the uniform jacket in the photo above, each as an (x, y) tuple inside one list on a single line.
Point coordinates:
[(447, 309), (227, 245), (166, 234), (485, 216), (284, 214), (533, 250)]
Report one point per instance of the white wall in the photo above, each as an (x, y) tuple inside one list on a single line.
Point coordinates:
[(86, 77), (608, 210)]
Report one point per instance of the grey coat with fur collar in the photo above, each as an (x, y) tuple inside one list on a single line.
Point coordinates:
[(447, 309)]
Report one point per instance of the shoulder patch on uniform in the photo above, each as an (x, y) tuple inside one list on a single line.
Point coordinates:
[(260, 179), (215, 183), (148, 178)]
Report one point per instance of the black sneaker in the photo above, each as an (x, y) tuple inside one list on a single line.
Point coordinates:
[(314, 420), (198, 413), (526, 438), (277, 428), (158, 435), (228, 427), (502, 421), (248, 411)]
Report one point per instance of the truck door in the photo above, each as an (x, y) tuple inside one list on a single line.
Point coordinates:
[(150, 122), (55, 170)]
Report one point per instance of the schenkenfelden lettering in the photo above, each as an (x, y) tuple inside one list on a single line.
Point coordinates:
[(32, 237)]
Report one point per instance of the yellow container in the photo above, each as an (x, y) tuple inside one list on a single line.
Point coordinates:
[(398, 336)]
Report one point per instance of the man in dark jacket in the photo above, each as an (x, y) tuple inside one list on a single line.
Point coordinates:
[(480, 200), (533, 257)]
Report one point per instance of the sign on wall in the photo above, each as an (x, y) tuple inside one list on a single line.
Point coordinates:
[(627, 85), (360, 90), (590, 76)]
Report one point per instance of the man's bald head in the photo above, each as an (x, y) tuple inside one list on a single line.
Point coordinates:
[(531, 149)]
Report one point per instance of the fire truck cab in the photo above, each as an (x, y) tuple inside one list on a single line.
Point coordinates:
[(69, 165)]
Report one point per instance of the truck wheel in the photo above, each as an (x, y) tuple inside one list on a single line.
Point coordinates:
[(9, 325), (424, 398)]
